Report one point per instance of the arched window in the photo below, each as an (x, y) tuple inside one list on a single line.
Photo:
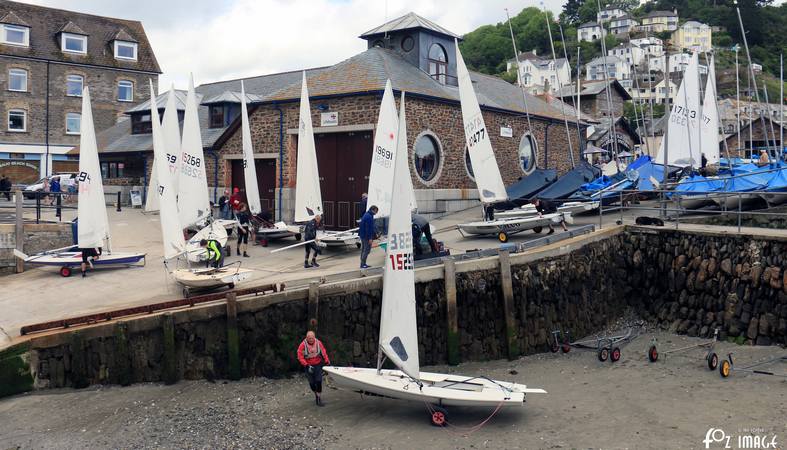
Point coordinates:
[(527, 154), (427, 157), (438, 63)]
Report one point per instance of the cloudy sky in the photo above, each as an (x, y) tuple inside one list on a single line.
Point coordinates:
[(226, 39)]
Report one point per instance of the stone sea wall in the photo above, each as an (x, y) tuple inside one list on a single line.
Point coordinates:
[(492, 308), (37, 238)]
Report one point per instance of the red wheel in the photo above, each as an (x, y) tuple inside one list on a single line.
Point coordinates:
[(565, 348), (615, 355), (653, 354), (65, 271), (438, 416), (264, 242), (603, 354)]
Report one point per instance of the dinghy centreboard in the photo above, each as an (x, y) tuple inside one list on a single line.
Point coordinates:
[(399, 334), (93, 223), (171, 230), (487, 174)]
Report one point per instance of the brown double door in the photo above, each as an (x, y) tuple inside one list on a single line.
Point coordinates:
[(266, 179), (343, 160)]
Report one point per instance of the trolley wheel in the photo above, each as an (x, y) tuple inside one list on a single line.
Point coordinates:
[(231, 286), (297, 236), (437, 417), (615, 355), (65, 271), (725, 368), (264, 242), (502, 237), (565, 348), (538, 229), (713, 361), (357, 245), (603, 354), (653, 354), (554, 348)]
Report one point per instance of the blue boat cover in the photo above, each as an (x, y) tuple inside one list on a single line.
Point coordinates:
[(753, 181), (523, 190), (778, 181), (697, 184), (571, 181)]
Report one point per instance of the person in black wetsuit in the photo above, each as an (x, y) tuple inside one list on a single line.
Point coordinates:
[(548, 207), (244, 229), (88, 253), (421, 228), (310, 234)]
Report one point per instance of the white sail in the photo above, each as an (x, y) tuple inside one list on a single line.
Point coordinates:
[(171, 231), (249, 169), (403, 169), (683, 135), (487, 174), (710, 120), (398, 330), (171, 135), (91, 209), (308, 199), (381, 174), (193, 201), (151, 199)]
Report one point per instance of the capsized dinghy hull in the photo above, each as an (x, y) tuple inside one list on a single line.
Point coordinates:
[(279, 230), (210, 278), (502, 228), (567, 207), (438, 389)]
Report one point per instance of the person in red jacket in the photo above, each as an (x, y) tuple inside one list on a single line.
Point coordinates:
[(312, 356)]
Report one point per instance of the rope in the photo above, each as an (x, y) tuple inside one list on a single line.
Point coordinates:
[(465, 431)]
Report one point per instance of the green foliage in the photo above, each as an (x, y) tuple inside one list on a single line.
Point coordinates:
[(509, 76), (642, 110)]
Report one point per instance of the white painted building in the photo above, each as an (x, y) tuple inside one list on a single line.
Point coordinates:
[(677, 63), (616, 68), (609, 13), (652, 46), (657, 92), (538, 73), (629, 53), (589, 32)]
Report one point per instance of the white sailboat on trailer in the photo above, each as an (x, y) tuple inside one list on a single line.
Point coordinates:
[(171, 230), (487, 174), (93, 223), (193, 201), (399, 334)]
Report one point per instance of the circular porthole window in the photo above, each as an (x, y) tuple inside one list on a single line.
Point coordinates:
[(427, 157), (527, 154), (408, 43)]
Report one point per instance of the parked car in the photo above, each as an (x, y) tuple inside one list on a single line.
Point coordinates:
[(31, 189)]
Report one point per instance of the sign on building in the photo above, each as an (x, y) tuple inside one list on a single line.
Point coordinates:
[(329, 119), (506, 132)]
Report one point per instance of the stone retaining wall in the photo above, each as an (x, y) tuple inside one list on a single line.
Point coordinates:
[(498, 307), (38, 238)]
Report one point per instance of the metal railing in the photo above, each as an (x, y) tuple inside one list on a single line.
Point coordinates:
[(40, 202)]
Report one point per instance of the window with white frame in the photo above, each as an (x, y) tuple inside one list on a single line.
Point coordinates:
[(17, 80), (73, 123), (17, 120), (73, 43), (15, 35), (74, 85), (125, 91), (126, 50)]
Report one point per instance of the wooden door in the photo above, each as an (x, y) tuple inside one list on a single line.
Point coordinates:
[(266, 179)]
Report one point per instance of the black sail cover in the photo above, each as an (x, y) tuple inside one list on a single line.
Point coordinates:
[(526, 188), (570, 182)]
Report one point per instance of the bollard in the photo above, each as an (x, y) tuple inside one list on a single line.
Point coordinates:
[(118, 202), (233, 341), (452, 314), (122, 369), (59, 203), (20, 231), (169, 366)]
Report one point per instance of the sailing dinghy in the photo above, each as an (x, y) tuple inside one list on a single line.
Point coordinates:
[(93, 223), (399, 335), (171, 231), (487, 174)]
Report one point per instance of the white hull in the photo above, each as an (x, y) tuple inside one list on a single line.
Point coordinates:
[(530, 210), (438, 389), (774, 198), (513, 225), (216, 231), (279, 230), (74, 258), (210, 278), (693, 201), (336, 240), (730, 201)]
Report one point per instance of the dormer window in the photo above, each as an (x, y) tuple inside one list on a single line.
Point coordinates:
[(15, 35), (126, 50), (438, 63), (73, 43)]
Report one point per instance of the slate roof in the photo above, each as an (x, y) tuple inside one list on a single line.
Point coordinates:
[(231, 97), (161, 102), (661, 14), (593, 88), (589, 25), (408, 21), (45, 24), (263, 86), (12, 19)]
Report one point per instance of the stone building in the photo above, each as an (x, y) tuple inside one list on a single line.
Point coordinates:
[(754, 137), (660, 21), (47, 55), (418, 56)]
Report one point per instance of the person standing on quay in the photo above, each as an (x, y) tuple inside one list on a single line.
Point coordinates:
[(312, 356), (367, 234)]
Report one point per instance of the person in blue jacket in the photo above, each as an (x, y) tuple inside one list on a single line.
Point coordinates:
[(367, 234)]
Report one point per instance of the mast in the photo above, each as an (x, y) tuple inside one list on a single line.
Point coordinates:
[(781, 103), (559, 85), (565, 55), (711, 65), (642, 112), (737, 102), (613, 135), (667, 114), (577, 104), (522, 86), (751, 70)]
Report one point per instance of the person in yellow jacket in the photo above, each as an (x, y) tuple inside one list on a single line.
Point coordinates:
[(215, 255)]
